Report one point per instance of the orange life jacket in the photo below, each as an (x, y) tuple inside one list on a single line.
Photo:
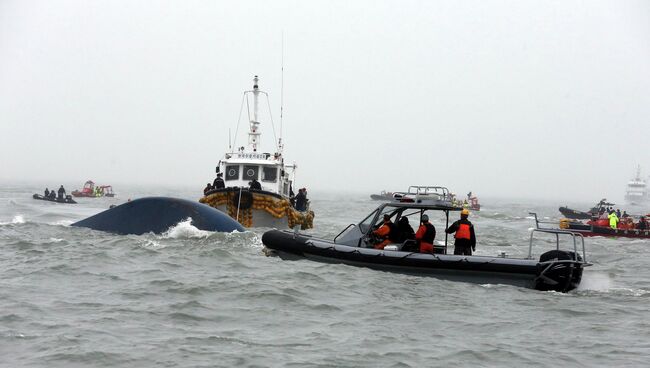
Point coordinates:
[(463, 232)]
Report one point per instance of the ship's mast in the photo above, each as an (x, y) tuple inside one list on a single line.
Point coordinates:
[(254, 133)]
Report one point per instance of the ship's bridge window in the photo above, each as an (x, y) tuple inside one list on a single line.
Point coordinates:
[(269, 173), (232, 172), (251, 172)]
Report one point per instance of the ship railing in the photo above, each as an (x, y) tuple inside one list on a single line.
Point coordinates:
[(577, 238)]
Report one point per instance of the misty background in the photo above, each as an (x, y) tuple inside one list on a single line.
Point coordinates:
[(505, 98)]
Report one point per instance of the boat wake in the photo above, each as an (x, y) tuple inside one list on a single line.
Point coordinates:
[(595, 282)]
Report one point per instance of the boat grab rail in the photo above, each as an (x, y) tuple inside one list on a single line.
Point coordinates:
[(575, 237), (537, 222), (344, 230)]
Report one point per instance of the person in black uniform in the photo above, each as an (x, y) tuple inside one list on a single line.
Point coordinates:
[(405, 230), (61, 192), (47, 193), (255, 185), (301, 200), (207, 189), (218, 183), (465, 238)]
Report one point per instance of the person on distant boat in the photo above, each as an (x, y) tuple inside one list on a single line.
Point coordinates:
[(643, 224), (61, 192), (628, 223), (465, 238), (613, 219), (255, 185), (47, 193), (52, 194), (301, 200), (207, 189), (618, 213), (425, 235), (218, 183), (387, 232)]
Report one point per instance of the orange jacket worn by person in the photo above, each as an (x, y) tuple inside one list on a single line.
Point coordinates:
[(425, 235), (387, 232), (465, 238)]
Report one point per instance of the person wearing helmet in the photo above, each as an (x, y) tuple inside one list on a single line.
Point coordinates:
[(465, 241), (425, 235)]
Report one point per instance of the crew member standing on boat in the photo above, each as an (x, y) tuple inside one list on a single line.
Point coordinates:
[(613, 219), (387, 232), (465, 238), (218, 183), (425, 235), (61, 192), (47, 193), (301, 200), (643, 224)]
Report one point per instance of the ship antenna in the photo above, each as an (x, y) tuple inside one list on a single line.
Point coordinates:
[(281, 93), (241, 108)]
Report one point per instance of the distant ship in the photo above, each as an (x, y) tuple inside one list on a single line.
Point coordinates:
[(637, 191)]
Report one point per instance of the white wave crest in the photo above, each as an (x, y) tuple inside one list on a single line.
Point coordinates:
[(18, 219), (63, 222), (185, 230)]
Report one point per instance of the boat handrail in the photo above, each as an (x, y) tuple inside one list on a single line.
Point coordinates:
[(574, 235), (537, 222), (344, 230), (424, 189)]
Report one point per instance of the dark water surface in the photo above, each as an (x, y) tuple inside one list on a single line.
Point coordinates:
[(72, 297)]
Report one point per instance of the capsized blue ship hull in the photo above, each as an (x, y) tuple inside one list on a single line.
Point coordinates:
[(157, 215)]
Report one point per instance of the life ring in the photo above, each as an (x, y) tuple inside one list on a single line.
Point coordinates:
[(244, 202)]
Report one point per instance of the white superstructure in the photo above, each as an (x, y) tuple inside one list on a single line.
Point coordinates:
[(636, 191)]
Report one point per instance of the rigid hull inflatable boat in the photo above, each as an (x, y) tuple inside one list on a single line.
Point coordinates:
[(67, 199), (556, 269)]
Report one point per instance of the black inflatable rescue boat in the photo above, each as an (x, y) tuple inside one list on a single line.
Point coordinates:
[(556, 269), (67, 199)]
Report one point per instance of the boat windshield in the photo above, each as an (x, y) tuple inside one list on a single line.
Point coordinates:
[(367, 222)]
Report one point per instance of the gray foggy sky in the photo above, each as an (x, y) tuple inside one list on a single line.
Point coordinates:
[(523, 98)]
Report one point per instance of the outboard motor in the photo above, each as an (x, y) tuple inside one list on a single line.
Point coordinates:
[(558, 270)]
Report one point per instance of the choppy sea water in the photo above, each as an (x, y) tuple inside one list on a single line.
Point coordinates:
[(72, 297)]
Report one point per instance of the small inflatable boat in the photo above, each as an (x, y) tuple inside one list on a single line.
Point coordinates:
[(68, 199), (556, 269), (585, 215)]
